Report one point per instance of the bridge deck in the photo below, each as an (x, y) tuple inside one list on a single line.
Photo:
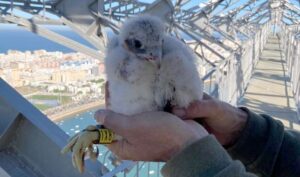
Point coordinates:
[(269, 90)]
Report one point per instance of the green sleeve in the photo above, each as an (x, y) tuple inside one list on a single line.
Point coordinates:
[(204, 158), (266, 149)]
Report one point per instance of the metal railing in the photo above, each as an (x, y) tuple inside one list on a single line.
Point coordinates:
[(233, 75), (290, 45)]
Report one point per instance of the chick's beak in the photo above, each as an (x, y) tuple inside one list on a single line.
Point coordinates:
[(153, 55), (154, 59)]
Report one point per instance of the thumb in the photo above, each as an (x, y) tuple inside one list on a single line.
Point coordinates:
[(118, 123), (197, 109)]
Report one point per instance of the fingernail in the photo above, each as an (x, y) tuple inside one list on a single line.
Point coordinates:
[(179, 112)]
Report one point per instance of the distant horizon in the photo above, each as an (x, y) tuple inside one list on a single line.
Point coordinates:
[(16, 38), (52, 27), (32, 51)]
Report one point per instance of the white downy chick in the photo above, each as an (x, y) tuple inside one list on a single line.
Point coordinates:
[(131, 64), (148, 70), (179, 82)]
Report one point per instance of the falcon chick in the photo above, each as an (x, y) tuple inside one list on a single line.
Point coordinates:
[(147, 69)]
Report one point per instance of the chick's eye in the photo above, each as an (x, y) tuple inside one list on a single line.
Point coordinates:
[(137, 44)]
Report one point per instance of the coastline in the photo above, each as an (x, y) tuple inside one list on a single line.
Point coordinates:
[(68, 112), (79, 109)]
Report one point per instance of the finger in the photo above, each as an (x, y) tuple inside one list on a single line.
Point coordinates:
[(119, 123), (196, 127), (180, 112), (199, 130), (197, 109), (70, 145)]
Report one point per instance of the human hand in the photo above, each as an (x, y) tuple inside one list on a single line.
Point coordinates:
[(80, 145), (221, 119), (151, 136)]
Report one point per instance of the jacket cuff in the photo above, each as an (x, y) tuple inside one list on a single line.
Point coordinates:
[(261, 134), (205, 156)]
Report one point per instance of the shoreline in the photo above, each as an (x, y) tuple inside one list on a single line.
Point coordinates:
[(79, 109)]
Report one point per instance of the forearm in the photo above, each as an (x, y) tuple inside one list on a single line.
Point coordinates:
[(206, 157)]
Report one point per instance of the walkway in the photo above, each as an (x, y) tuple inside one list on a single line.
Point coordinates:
[(269, 89)]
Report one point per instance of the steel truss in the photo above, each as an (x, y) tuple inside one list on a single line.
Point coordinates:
[(230, 19)]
